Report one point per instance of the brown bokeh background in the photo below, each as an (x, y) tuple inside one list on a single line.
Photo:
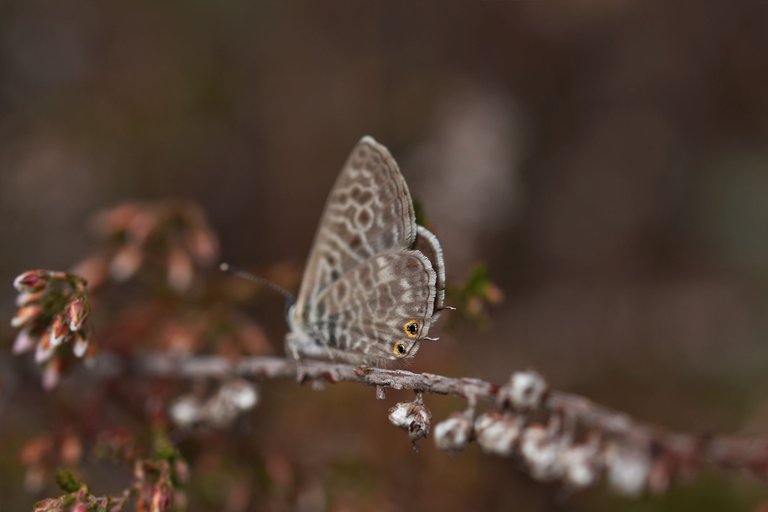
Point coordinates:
[(607, 159)]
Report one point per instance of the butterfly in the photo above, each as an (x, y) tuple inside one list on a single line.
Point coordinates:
[(375, 280)]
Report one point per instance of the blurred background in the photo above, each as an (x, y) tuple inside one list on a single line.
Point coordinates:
[(606, 159)]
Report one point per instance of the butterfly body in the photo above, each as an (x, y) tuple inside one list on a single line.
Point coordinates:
[(374, 282)]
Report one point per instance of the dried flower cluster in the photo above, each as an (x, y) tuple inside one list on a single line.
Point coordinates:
[(232, 399), (475, 294), (413, 417), (82, 500), (555, 449), (53, 318), (153, 482), (173, 235), (42, 454), (215, 330), (156, 488)]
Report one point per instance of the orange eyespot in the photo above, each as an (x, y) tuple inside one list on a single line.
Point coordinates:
[(411, 328), (400, 349)]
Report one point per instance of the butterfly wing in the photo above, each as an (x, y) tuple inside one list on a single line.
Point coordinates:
[(428, 245), (368, 211), (379, 310)]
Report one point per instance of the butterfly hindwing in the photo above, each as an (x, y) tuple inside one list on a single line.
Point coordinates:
[(428, 245), (366, 312)]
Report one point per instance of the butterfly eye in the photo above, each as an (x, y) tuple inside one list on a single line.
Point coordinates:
[(411, 328), (399, 349)]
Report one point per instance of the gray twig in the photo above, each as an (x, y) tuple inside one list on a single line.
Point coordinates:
[(666, 453)]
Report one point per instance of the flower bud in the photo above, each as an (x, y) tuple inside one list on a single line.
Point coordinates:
[(31, 281), (126, 262), (524, 391), (413, 417), (628, 468), (541, 450), (77, 312), (93, 270), (59, 331), (454, 433), (52, 374), (497, 433), (45, 348), (180, 271), (162, 498), (24, 342), (186, 411), (80, 346), (232, 399), (25, 315), (241, 393), (581, 465), (203, 245), (27, 298)]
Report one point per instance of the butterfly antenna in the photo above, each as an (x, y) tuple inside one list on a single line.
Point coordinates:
[(289, 298)]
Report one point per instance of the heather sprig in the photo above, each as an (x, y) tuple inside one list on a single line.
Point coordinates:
[(172, 235), (53, 318)]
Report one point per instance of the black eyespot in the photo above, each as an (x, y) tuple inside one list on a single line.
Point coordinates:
[(401, 349), (411, 328)]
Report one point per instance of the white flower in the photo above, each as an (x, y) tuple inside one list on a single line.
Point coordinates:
[(497, 433), (525, 390), (454, 433), (411, 416), (628, 468)]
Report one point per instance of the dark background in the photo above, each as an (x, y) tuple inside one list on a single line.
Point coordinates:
[(606, 158)]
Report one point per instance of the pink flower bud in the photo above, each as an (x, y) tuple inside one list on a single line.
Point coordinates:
[(93, 270), (27, 298), (162, 498), (59, 331), (77, 312), (44, 348), (25, 315), (24, 342), (203, 245), (126, 262), (80, 346), (47, 505), (180, 271), (31, 281), (52, 374)]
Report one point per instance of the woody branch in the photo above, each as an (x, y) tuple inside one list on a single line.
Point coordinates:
[(560, 436)]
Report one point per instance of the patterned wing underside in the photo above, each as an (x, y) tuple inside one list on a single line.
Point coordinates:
[(369, 211), (427, 243), (363, 314)]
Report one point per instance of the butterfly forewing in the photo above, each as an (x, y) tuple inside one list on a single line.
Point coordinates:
[(368, 211)]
